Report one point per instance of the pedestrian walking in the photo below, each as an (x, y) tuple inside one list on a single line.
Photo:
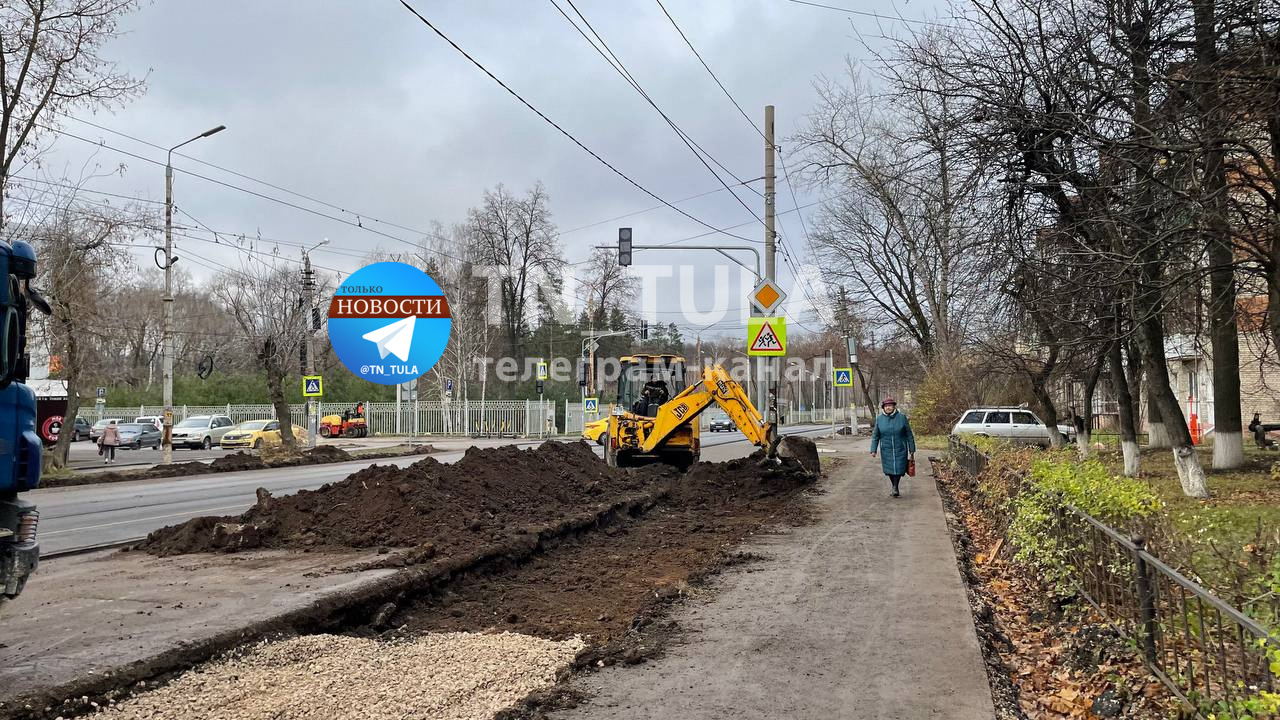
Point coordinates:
[(109, 440), (892, 436)]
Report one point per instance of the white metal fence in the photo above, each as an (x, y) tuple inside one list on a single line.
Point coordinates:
[(493, 418), (496, 418)]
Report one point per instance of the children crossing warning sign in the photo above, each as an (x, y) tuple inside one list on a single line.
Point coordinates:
[(766, 336)]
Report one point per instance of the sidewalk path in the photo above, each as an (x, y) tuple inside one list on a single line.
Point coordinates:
[(859, 615)]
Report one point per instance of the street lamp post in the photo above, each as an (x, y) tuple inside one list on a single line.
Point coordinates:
[(169, 260)]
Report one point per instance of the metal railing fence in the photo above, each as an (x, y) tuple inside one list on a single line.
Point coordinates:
[(460, 418), (1208, 653)]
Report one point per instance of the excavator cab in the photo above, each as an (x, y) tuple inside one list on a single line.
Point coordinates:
[(649, 381), (647, 384)]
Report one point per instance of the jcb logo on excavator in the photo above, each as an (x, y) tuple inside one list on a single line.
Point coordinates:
[(724, 389), (680, 411)]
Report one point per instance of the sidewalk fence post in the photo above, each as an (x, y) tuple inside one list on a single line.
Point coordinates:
[(1147, 627)]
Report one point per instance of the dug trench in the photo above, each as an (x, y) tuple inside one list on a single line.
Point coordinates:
[(548, 543)]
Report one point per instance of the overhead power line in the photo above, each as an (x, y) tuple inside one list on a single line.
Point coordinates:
[(558, 127), (360, 216), (866, 13), (710, 72), (618, 66)]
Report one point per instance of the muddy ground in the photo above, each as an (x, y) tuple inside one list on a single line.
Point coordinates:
[(239, 461), (615, 587), (609, 582)]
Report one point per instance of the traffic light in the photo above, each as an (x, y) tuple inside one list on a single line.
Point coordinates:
[(624, 246), (539, 387), (584, 368), (644, 329)]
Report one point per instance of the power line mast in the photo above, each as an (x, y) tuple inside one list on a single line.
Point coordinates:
[(770, 365), (311, 324)]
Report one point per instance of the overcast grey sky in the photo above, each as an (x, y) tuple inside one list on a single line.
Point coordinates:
[(360, 105)]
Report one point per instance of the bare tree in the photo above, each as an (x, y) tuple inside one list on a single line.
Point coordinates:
[(608, 286), (50, 64), (263, 297), (902, 225), (81, 254), (515, 239), (1062, 96)]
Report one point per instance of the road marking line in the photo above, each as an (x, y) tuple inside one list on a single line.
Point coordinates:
[(189, 513)]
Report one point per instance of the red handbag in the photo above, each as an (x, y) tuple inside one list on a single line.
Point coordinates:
[(911, 467)]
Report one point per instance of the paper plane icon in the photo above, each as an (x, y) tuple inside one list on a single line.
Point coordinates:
[(394, 338)]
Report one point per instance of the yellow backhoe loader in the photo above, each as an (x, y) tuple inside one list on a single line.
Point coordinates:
[(655, 418)]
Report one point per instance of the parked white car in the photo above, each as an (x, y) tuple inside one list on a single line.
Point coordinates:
[(154, 420), (201, 431), (1015, 424)]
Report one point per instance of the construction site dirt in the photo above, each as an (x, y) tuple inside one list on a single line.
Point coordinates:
[(605, 585), (428, 508), (547, 542), (236, 462)]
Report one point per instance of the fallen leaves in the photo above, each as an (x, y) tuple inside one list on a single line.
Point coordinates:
[(1045, 652)]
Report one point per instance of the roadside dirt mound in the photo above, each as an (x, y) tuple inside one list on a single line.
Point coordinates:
[(230, 463), (325, 454), (608, 585), (741, 480), (490, 494), (236, 461)]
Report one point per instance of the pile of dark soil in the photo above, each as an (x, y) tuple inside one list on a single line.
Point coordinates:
[(608, 585), (490, 494), (247, 461)]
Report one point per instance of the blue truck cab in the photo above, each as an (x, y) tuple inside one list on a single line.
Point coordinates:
[(19, 444)]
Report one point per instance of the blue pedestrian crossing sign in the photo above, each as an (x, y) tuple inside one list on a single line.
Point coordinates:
[(448, 384), (312, 386), (591, 405), (843, 377)]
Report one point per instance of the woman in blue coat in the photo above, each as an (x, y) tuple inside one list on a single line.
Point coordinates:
[(892, 436)]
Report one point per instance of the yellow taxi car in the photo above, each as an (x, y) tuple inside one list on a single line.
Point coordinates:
[(256, 433), (595, 430)]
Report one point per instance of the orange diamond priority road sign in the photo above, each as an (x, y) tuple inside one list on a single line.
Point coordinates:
[(766, 336), (767, 296)]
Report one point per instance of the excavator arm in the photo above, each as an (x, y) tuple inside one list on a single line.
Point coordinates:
[(716, 387)]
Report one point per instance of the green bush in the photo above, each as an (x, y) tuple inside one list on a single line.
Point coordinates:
[(939, 400), (1055, 481)]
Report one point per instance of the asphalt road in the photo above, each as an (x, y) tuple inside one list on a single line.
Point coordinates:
[(86, 516), (83, 455)]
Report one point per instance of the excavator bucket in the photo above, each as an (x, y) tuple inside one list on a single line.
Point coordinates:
[(801, 449)]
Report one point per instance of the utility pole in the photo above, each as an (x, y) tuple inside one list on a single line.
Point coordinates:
[(309, 302), (770, 365), (169, 260)]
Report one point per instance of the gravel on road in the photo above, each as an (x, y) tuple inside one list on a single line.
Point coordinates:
[(450, 676)]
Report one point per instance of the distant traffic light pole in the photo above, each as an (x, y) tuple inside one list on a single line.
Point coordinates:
[(626, 248), (169, 260)]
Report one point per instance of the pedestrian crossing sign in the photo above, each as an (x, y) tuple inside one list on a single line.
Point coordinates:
[(591, 405), (542, 369), (766, 336), (312, 386), (843, 377)]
